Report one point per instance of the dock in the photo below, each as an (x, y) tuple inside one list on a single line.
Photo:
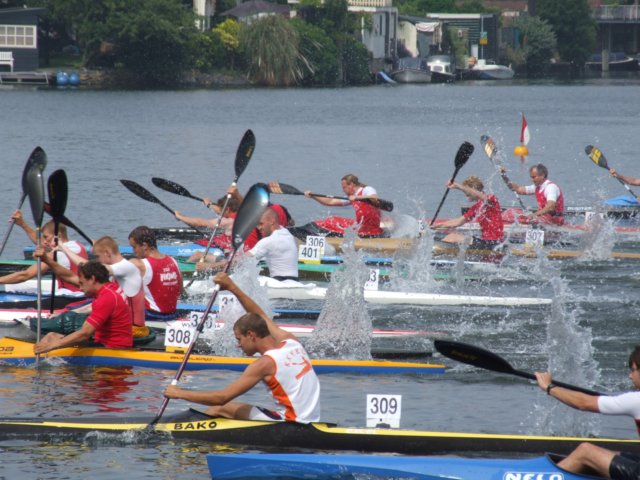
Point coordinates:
[(26, 78)]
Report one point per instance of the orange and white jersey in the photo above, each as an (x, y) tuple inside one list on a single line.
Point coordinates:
[(295, 386)]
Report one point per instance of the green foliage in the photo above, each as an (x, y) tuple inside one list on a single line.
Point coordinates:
[(229, 35), (272, 46), (574, 28), (211, 52), (538, 44), (320, 51), (459, 46), (355, 61), (420, 8)]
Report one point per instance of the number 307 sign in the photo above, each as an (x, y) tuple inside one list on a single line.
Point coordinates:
[(384, 409)]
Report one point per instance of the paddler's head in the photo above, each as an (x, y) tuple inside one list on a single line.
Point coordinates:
[(48, 234), (249, 329), (106, 250), (634, 367), (143, 241), (269, 222), (92, 276), (539, 174), (350, 184)]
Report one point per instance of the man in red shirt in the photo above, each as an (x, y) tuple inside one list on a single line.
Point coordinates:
[(110, 321), (486, 211)]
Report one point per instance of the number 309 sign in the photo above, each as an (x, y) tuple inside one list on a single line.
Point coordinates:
[(384, 409)]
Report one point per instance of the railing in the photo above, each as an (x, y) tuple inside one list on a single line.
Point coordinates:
[(370, 3), (622, 12)]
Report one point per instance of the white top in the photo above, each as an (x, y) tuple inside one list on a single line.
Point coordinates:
[(550, 190), (295, 386), (623, 404), (128, 277), (280, 251), (362, 192), (62, 258)]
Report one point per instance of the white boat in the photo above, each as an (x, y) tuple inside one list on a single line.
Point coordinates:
[(441, 69), (411, 70), (292, 290), (489, 70)]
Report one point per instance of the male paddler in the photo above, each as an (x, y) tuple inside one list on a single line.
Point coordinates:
[(283, 366)]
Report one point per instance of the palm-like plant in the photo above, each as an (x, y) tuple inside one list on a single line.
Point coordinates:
[(272, 47)]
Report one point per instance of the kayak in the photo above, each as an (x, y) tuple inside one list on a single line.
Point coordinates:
[(235, 466), (551, 254), (179, 250), (197, 426), (20, 353), (292, 290)]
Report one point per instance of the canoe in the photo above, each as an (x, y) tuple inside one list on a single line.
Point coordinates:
[(292, 290), (552, 254), (179, 250), (20, 353), (197, 426), (305, 466)]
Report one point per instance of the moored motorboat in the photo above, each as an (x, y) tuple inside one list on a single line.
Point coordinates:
[(235, 466), (411, 70), (618, 61), (442, 70), (20, 353), (482, 69), (194, 425)]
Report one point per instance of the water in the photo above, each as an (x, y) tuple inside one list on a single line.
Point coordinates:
[(402, 141)]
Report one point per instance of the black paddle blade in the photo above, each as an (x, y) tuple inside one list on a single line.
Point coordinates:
[(35, 191), (489, 146), (284, 189), (245, 150), (596, 156), (37, 159), (140, 191), (464, 152), (57, 188), (472, 355), (253, 206), (172, 187)]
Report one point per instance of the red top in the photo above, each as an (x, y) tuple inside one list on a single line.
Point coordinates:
[(489, 216), (111, 317), (558, 214), (73, 267), (162, 284)]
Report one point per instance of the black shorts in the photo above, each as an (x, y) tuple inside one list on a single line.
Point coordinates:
[(625, 466), (479, 244)]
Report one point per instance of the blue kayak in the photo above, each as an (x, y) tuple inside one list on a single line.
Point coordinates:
[(183, 250), (328, 466), (622, 201)]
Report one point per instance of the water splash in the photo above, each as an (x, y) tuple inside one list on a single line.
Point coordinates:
[(344, 326)]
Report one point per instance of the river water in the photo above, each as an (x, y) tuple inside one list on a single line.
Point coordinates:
[(403, 141)]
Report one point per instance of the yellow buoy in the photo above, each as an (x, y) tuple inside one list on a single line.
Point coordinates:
[(521, 151)]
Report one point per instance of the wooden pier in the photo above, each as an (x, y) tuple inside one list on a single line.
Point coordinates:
[(26, 78)]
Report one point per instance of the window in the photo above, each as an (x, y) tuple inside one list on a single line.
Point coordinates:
[(17, 36)]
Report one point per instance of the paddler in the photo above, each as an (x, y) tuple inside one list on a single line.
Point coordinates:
[(283, 366), (625, 178), (161, 277), (548, 195), (486, 211), (588, 458), (122, 271), (368, 216), (48, 242), (110, 320)]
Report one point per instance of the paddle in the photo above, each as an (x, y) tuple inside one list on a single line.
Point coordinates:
[(490, 148), (58, 191), (37, 159), (65, 221), (283, 188), (173, 187), (481, 358), (249, 213), (596, 155), (243, 155), (35, 190), (145, 194), (464, 152)]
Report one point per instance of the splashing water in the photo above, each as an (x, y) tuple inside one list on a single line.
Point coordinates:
[(417, 274), (344, 326), (599, 238)]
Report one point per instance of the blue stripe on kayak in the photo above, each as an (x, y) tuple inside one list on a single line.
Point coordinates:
[(181, 250), (201, 307), (265, 465), (623, 201)]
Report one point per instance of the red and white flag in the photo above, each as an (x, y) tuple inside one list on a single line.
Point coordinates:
[(525, 136)]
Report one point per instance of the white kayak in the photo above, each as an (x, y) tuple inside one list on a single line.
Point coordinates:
[(13, 317), (292, 290)]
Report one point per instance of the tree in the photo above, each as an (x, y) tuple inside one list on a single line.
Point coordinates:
[(574, 28), (272, 47), (229, 33), (321, 52), (538, 44)]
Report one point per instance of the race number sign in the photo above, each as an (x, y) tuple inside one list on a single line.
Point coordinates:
[(179, 333), (534, 238), (226, 300), (384, 409), (313, 250), (374, 279)]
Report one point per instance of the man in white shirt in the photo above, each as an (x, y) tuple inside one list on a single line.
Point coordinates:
[(277, 247)]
